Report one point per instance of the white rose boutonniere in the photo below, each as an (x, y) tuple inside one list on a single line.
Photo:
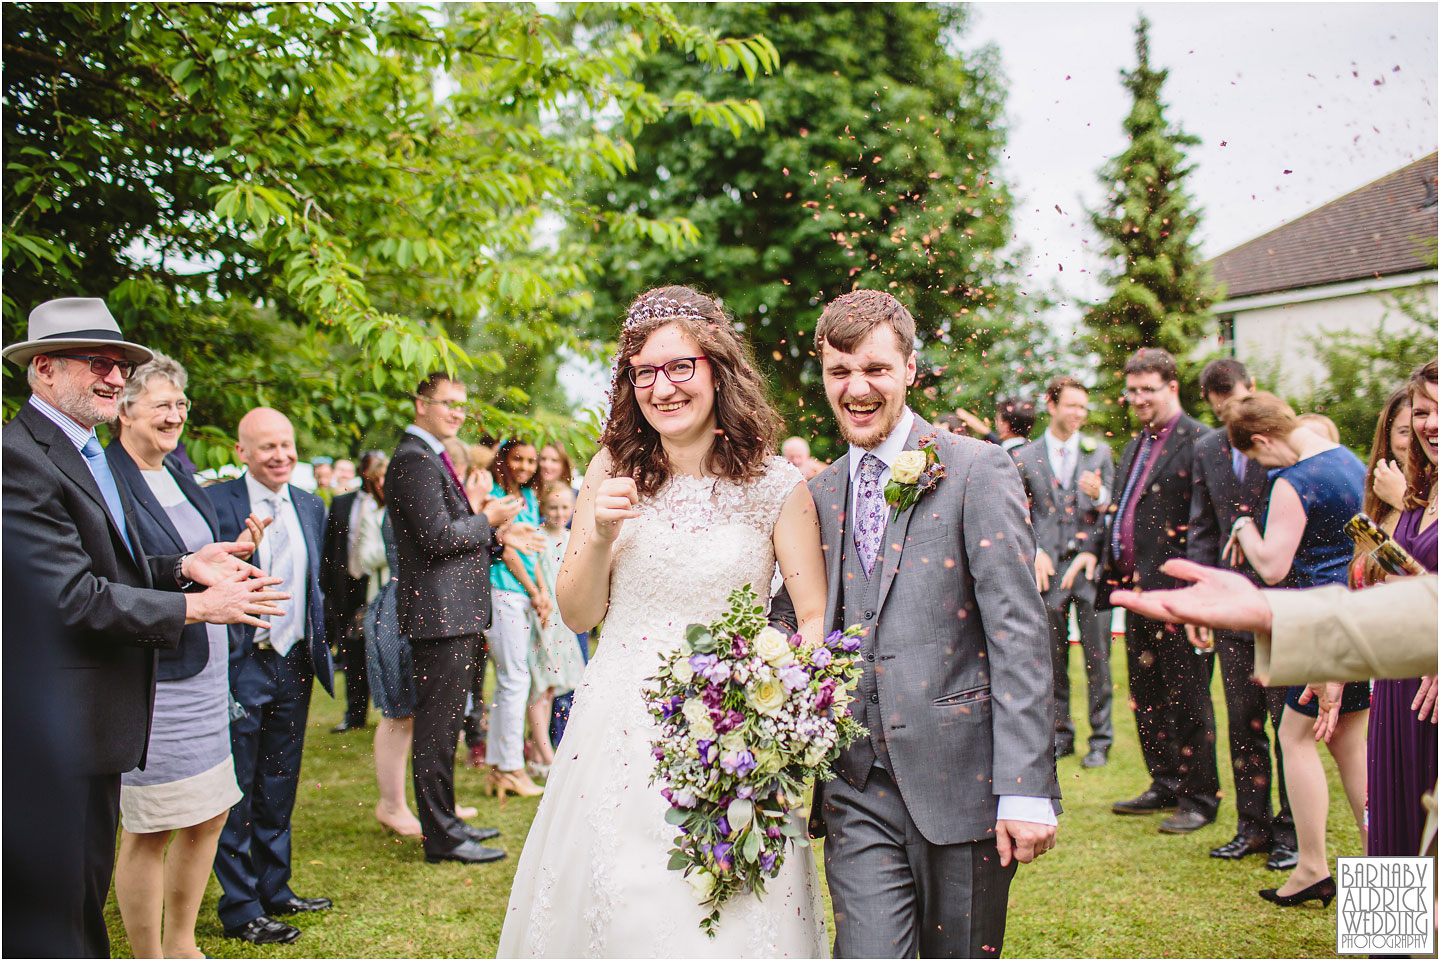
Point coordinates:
[(1087, 444), (913, 473)]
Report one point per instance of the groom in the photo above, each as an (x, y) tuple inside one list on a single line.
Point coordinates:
[(954, 784)]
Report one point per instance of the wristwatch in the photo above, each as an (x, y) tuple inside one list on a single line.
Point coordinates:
[(180, 578)]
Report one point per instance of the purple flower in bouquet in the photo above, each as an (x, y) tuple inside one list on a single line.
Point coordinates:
[(738, 648), (672, 707), (849, 644), (658, 753), (738, 764), (773, 832), (721, 852), (717, 673), (702, 662), (713, 698), (834, 638), (821, 657), (745, 791), (794, 677), (723, 826), (706, 749), (729, 721), (767, 862), (825, 696)]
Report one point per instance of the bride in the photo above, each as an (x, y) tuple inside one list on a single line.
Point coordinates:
[(684, 503)]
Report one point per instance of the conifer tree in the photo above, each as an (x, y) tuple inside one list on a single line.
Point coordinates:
[(1159, 291)]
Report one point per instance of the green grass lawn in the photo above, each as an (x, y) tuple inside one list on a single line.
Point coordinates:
[(1113, 887)]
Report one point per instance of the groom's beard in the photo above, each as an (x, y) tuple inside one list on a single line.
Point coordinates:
[(872, 437)]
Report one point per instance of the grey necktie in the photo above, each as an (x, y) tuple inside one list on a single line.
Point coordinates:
[(869, 511), (1067, 470), (282, 565)]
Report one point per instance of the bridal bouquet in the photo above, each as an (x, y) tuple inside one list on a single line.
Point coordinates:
[(747, 715)]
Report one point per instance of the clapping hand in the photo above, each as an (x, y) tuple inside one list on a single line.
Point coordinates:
[(254, 531), (214, 562), (615, 501), (1389, 483), (525, 538), (501, 510), (1089, 483)]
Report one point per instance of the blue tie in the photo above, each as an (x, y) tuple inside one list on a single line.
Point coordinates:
[(100, 468), (1237, 464)]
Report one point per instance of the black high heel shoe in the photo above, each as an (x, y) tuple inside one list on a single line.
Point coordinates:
[(1322, 891)]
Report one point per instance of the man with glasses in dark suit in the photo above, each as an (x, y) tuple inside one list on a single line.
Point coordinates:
[(1169, 685)]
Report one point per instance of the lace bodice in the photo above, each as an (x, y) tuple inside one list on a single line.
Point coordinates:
[(695, 541)]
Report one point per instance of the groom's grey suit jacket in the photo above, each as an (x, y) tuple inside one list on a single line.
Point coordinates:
[(960, 641)]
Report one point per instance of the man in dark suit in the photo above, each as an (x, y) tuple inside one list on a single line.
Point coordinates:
[(104, 606), (1068, 479), (344, 597), (443, 549), (272, 671), (1169, 685), (1227, 485)]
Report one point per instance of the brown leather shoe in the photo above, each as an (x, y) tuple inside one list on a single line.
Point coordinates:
[(1183, 822)]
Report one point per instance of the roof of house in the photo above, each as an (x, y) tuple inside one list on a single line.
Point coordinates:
[(1378, 230)]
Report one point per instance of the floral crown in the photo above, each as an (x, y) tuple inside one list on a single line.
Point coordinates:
[(656, 308)]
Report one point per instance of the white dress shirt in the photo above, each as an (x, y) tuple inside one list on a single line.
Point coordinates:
[(1012, 807), (259, 496)]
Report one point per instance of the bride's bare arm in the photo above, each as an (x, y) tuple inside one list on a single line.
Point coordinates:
[(582, 588), (802, 562)]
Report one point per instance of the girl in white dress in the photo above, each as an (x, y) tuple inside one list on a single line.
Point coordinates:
[(684, 503)]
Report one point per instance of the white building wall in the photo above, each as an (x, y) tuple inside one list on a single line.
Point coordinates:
[(1281, 338)]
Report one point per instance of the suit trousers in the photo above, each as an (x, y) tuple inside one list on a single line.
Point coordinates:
[(1095, 645), (896, 895), (1174, 717), (252, 861), (444, 669), (1247, 704), (357, 679)]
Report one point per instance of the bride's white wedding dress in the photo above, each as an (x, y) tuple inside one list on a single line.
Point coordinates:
[(592, 881)]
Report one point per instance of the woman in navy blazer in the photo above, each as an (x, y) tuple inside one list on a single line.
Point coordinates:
[(188, 784)]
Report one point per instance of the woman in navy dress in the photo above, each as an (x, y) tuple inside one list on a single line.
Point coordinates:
[(1402, 757), (1316, 486)]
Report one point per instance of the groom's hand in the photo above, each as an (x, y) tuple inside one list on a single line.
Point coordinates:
[(1022, 840)]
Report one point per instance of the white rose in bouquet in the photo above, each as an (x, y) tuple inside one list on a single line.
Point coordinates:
[(774, 647), (907, 467), (768, 697), (682, 671), (698, 716), (702, 882), (733, 743)]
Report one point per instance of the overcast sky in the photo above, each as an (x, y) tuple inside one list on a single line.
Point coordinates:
[(1296, 104)]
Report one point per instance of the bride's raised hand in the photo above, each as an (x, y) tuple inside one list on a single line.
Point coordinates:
[(615, 500)]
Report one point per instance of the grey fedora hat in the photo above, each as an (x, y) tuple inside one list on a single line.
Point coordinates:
[(67, 322)]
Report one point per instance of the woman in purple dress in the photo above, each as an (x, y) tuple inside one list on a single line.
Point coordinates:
[(1402, 743)]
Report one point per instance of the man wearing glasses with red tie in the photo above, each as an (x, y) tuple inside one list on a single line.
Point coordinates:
[(444, 547), (1169, 685)]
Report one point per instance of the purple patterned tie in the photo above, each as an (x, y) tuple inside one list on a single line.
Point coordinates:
[(869, 511)]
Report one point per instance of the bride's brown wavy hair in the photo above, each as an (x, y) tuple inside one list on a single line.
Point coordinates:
[(746, 426)]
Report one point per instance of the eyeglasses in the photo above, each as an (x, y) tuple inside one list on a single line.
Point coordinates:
[(677, 371), (449, 405), (1142, 391), (101, 366)]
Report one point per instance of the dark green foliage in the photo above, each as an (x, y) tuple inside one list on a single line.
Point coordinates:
[(876, 168), (1159, 292)]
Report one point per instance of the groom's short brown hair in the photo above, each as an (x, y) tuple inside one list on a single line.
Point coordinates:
[(849, 319)]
